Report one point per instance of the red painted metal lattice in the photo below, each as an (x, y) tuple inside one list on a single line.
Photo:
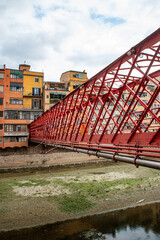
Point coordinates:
[(117, 110)]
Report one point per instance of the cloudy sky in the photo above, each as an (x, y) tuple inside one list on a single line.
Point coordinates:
[(55, 36)]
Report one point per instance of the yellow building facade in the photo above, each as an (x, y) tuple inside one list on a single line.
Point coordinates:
[(32, 88), (73, 79), (32, 91)]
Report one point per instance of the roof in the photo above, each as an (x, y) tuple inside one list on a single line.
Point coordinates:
[(84, 72), (53, 82)]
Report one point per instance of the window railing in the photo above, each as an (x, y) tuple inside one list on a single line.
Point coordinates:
[(30, 94)]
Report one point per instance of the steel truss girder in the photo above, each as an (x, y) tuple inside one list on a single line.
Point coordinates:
[(116, 110)]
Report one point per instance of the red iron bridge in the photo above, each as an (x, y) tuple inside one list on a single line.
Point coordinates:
[(115, 114)]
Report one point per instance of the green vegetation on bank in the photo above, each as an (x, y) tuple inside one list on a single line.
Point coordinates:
[(73, 203), (77, 191), (101, 188)]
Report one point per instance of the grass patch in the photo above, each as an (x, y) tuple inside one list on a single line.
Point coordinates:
[(73, 203), (58, 182), (5, 191), (155, 172), (100, 189)]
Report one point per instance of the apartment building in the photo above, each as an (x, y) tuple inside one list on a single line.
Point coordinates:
[(16, 110), (32, 92), (73, 79), (55, 91), (2, 74)]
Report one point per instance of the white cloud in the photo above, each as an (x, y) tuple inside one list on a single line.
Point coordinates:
[(56, 36)]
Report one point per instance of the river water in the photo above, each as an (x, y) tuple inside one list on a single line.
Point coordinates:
[(139, 223)]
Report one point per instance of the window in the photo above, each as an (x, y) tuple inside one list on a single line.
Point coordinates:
[(25, 115), (36, 91), (1, 75), (143, 94), (11, 115), (78, 75), (10, 139), (6, 139), (18, 128), (52, 86), (1, 113), (1, 101), (54, 97), (16, 86), (1, 88), (15, 128), (23, 128), (36, 80), (16, 101), (75, 86), (22, 139), (15, 139), (8, 128), (138, 114), (16, 74), (13, 76), (36, 104), (151, 87), (47, 96), (1, 127), (0, 139), (16, 115)]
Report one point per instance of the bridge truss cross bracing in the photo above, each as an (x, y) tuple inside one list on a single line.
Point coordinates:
[(116, 112)]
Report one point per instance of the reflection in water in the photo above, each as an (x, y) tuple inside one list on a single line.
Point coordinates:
[(133, 234), (140, 223)]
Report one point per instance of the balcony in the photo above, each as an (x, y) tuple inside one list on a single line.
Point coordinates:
[(30, 94), (10, 134), (26, 114), (57, 89)]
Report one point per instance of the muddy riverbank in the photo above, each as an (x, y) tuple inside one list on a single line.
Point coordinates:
[(38, 198), (46, 161)]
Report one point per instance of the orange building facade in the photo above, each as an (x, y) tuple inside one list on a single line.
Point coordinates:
[(2, 75), (14, 118)]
